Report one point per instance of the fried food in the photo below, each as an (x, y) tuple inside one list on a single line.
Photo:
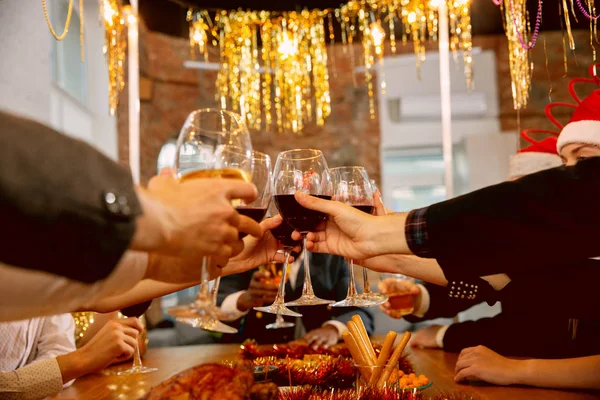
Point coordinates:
[(204, 382)]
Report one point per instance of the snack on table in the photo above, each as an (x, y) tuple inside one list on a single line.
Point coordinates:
[(203, 382), (380, 370), (411, 381)]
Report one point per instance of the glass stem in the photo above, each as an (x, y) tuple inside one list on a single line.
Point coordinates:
[(203, 293), (307, 289), (215, 291), (281, 293), (137, 358), (367, 285), (351, 283), (279, 319)]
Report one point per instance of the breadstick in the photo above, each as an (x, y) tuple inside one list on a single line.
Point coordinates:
[(362, 345), (356, 354), (386, 349), (385, 375), (363, 331)]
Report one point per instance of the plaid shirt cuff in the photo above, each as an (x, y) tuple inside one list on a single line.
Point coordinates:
[(416, 233)]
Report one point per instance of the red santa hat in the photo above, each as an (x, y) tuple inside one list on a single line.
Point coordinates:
[(584, 125), (535, 158)]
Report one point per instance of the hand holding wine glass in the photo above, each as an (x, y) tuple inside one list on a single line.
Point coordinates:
[(351, 233), (137, 310), (192, 219), (302, 170), (282, 233)]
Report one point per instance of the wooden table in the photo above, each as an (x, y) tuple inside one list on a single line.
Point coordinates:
[(436, 364)]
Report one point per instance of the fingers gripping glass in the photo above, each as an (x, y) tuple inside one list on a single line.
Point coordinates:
[(212, 144), (137, 310), (283, 234), (302, 170)]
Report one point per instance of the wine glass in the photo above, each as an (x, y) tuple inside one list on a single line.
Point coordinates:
[(367, 294), (283, 234), (302, 170), (262, 179), (352, 186), (203, 151), (137, 311), (229, 157)]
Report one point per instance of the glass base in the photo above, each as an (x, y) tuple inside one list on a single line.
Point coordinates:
[(208, 324), (278, 308), (280, 325), (354, 301), (137, 370), (373, 299), (308, 300)]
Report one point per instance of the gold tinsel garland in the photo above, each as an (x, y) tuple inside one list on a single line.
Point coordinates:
[(282, 83), (115, 43)]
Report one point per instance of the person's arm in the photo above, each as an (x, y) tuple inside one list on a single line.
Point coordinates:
[(34, 381), (485, 232), (480, 363), (62, 200)]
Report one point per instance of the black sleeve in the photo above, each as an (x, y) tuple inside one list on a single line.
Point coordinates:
[(568, 293), (344, 314), (65, 208), (443, 305), (493, 230), (512, 336)]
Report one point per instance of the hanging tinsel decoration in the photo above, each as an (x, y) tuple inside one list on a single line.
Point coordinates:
[(115, 44)]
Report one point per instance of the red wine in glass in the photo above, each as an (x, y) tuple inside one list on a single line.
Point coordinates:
[(364, 208), (300, 218), (136, 310), (283, 233), (256, 213)]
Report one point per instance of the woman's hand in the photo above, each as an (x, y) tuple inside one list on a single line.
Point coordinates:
[(481, 363)]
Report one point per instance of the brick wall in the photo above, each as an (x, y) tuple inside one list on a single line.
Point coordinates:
[(349, 135)]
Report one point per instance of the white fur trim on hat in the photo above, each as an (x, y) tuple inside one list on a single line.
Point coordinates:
[(522, 164), (585, 132)]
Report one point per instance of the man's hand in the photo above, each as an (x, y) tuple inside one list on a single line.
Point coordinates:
[(260, 292), (257, 250), (193, 219), (325, 336), (426, 337), (114, 343), (481, 363), (351, 233), (402, 294)]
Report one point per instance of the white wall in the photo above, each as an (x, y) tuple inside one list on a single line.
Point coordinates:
[(26, 85)]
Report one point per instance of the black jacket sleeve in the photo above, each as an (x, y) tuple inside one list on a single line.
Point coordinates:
[(234, 283), (441, 305), (529, 336), (493, 230), (65, 208)]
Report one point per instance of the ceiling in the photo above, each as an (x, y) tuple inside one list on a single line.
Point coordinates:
[(168, 16)]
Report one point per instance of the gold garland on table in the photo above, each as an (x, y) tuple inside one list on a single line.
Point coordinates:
[(67, 24), (284, 85), (115, 43)]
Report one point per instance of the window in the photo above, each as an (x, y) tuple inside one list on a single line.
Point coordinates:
[(68, 72)]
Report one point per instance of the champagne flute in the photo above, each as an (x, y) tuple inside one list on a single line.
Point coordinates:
[(352, 186), (302, 170), (137, 310), (283, 234), (367, 294), (200, 143)]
